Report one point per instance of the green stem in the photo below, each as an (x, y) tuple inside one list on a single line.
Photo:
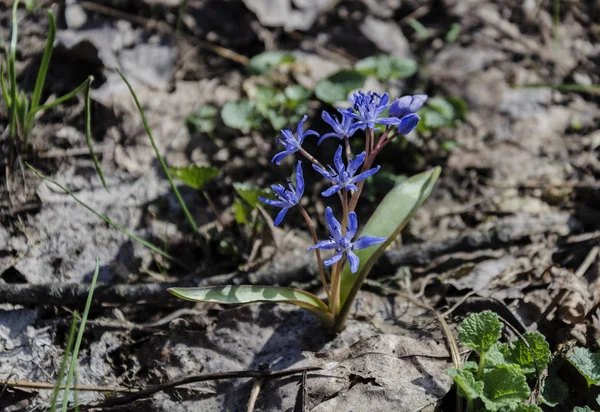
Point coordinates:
[(470, 405), (481, 365)]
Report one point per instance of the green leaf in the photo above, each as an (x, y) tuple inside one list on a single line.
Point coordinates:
[(470, 366), (587, 363), (496, 355), (519, 354), (240, 114), (297, 93), (250, 193), (554, 391), (202, 120), (386, 67), (241, 211), (467, 386), (194, 176), (582, 409), (504, 386), (522, 407), (264, 62), (388, 220), (336, 87), (480, 331), (254, 294), (453, 33), (442, 112)]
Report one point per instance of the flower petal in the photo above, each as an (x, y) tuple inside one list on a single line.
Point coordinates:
[(334, 259), (300, 128), (354, 261), (365, 175), (400, 107), (333, 189), (367, 241), (408, 123), (352, 226), (299, 180), (280, 216), (337, 160), (388, 121), (272, 202), (280, 156), (323, 172), (324, 244), (334, 226), (356, 163), (326, 135)]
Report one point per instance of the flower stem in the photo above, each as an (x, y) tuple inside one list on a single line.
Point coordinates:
[(348, 149), (313, 232), (335, 287), (311, 158)]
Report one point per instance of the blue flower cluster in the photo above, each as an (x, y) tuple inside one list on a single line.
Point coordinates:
[(367, 111)]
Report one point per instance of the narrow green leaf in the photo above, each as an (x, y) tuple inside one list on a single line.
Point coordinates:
[(43, 70), (453, 33), (467, 386), (63, 363), (336, 87), (5, 93), (480, 331), (58, 100), (162, 162), (241, 115), (386, 67), (266, 61), (194, 176), (86, 311), (254, 294), (388, 220), (105, 218), (88, 132), (587, 363), (12, 73), (504, 386)]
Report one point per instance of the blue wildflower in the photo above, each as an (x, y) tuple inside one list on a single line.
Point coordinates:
[(343, 244), (344, 177), (370, 107), (286, 198), (341, 129), (292, 144), (404, 109)]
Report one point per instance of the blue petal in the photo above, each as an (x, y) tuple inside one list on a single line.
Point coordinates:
[(329, 120), (337, 160), (367, 241), (351, 187), (334, 259), (334, 226), (280, 156), (271, 202), (388, 121), (300, 127), (279, 190), (326, 135), (408, 123), (349, 113), (352, 226), (418, 101), (280, 216), (365, 175), (324, 244), (333, 189), (309, 132), (323, 173), (299, 180), (400, 107), (356, 126), (356, 163), (354, 261)]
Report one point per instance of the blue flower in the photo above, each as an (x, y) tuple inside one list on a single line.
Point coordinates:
[(343, 244), (369, 106), (286, 198), (292, 144), (404, 109), (344, 177), (341, 129)]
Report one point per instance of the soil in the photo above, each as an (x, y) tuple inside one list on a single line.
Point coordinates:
[(513, 220)]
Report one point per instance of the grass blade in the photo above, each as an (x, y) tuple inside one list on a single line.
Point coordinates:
[(12, 75), (106, 219), (43, 70), (5, 95), (59, 100), (73, 366), (63, 364), (88, 132), (159, 157)]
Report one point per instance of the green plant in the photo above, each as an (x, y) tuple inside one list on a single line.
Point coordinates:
[(21, 109), (73, 350), (355, 255), (499, 381)]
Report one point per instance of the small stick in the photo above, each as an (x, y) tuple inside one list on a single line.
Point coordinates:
[(313, 232), (51, 386), (254, 393)]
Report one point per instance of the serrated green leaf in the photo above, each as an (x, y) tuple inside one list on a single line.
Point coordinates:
[(264, 62), (467, 386), (202, 120), (336, 87), (518, 353), (388, 220), (587, 363), (582, 409), (194, 176), (245, 294), (504, 386), (386, 67), (521, 407), (250, 193), (240, 114), (496, 355), (470, 366), (554, 391), (480, 331)]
